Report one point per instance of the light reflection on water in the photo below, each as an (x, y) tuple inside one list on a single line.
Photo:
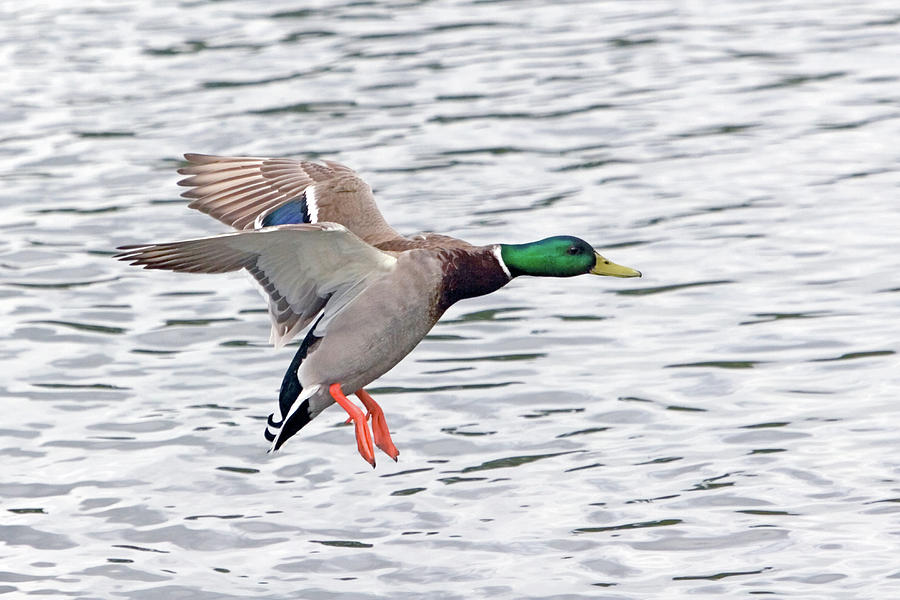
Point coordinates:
[(722, 427)]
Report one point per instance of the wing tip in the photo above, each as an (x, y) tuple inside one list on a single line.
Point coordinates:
[(201, 159)]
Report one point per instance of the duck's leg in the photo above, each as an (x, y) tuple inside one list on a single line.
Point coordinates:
[(363, 436), (379, 425)]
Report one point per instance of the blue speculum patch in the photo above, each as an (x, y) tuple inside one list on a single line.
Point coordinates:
[(291, 212)]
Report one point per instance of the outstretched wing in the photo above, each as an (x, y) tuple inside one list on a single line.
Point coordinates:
[(249, 193), (301, 268)]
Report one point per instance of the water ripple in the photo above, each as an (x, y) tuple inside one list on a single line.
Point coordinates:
[(719, 428)]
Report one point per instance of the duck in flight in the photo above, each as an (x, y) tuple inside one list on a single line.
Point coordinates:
[(312, 237)]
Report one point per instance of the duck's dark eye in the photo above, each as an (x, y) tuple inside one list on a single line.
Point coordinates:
[(574, 250)]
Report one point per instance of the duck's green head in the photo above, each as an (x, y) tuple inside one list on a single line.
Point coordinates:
[(559, 256)]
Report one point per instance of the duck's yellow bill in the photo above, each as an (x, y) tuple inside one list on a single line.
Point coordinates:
[(606, 267)]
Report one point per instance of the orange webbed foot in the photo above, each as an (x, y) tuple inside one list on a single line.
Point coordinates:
[(363, 436), (379, 425)]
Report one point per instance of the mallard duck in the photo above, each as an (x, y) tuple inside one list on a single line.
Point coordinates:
[(311, 235)]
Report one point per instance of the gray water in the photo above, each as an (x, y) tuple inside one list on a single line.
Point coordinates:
[(725, 427)]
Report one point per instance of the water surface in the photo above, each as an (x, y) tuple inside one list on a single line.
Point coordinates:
[(724, 427)]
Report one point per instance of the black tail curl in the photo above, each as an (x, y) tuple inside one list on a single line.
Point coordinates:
[(290, 391)]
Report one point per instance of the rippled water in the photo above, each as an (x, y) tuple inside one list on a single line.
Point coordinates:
[(724, 427)]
